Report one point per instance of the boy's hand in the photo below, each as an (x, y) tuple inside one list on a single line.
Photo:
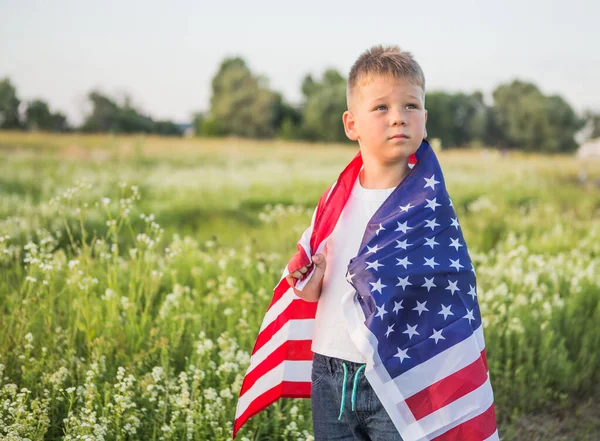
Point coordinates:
[(312, 290)]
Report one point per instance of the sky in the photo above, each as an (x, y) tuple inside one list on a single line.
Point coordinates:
[(165, 53)]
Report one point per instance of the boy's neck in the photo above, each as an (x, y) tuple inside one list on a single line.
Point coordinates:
[(377, 176)]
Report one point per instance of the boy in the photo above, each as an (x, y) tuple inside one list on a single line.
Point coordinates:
[(394, 261)]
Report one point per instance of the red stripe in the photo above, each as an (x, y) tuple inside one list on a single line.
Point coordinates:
[(476, 429), (286, 389), (298, 309), (484, 357), (447, 390), (290, 350)]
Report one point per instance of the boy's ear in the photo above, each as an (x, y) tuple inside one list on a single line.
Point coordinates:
[(350, 125), (425, 134)]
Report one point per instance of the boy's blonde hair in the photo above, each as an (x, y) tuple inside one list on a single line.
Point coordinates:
[(385, 60)]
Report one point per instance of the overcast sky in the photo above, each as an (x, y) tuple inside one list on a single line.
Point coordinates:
[(164, 53)]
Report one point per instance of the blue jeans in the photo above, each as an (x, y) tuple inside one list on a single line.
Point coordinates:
[(368, 421)]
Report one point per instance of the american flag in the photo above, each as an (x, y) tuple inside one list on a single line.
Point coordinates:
[(414, 315)]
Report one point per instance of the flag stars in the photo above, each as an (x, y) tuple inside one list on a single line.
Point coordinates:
[(420, 307), (349, 277), (431, 182), (406, 207), (431, 224), (402, 354), (403, 227), (429, 284), (381, 312), (377, 286), (403, 262), (403, 244), (430, 262), (446, 311), (432, 204), (398, 306), (437, 335), (455, 243), (456, 264), (411, 330), (455, 223), (379, 230), (375, 265), (373, 249), (469, 315), (472, 292), (452, 286), (390, 329), (403, 282), (431, 242)]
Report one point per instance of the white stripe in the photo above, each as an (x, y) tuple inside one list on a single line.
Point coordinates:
[(286, 371), (441, 366), (393, 398), (493, 437), (292, 330), (459, 411), (278, 308)]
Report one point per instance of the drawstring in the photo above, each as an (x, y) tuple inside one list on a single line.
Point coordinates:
[(353, 400)]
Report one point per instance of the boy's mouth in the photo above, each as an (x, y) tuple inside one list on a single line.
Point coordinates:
[(399, 136)]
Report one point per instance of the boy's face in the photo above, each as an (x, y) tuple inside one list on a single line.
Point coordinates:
[(387, 117)]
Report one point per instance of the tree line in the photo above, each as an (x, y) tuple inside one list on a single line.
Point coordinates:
[(242, 104)]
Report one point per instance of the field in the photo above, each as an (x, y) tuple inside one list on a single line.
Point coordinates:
[(135, 272)]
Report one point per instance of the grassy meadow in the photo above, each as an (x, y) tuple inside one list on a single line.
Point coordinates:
[(135, 272)]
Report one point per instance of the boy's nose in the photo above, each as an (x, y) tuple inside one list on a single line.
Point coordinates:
[(397, 118)]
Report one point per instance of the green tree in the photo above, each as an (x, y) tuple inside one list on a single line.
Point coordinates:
[(532, 121), (592, 121), (324, 104), (9, 106), (241, 103), (39, 117)]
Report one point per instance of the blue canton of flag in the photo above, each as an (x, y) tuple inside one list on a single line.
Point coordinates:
[(416, 282)]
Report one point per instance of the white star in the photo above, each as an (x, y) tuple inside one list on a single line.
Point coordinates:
[(380, 229), (403, 283), (377, 286), (454, 243), (404, 262), (375, 265), (452, 286), (390, 329), (472, 292), (381, 311), (472, 268), (411, 330), (446, 311), (430, 262), (373, 249), (437, 335), (429, 284), (432, 204), (469, 315), (455, 223), (432, 224), (403, 244), (450, 201), (431, 242), (456, 264), (398, 306), (402, 354), (406, 207), (403, 227), (420, 307), (431, 182), (349, 276)]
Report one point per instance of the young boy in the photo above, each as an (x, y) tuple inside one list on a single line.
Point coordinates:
[(380, 302), (387, 116)]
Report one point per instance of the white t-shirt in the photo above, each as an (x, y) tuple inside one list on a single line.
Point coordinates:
[(331, 336)]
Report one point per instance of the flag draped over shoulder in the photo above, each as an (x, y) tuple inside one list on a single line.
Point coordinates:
[(414, 314)]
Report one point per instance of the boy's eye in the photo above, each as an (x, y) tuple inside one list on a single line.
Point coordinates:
[(412, 106), (381, 107)]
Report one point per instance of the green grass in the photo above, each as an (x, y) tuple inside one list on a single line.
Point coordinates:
[(135, 272)]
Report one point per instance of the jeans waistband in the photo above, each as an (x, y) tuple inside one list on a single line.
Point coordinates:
[(336, 364)]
